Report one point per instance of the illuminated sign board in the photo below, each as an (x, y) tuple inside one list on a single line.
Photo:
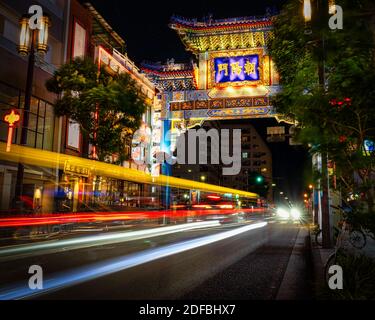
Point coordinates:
[(11, 119), (369, 147), (237, 69)]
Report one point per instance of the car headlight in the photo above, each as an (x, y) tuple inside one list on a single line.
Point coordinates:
[(295, 213), (282, 213)]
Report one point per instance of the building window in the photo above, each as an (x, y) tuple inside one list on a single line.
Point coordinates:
[(259, 154), (41, 118), (245, 155), (11, 31)]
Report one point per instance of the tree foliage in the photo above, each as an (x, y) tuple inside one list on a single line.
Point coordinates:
[(339, 116), (83, 90)]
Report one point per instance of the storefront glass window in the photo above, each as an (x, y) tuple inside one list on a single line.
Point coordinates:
[(41, 118)]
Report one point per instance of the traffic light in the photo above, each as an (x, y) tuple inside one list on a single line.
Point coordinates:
[(259, 179)]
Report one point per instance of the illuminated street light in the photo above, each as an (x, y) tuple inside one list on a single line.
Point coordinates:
[(36, 39), (203, 178), (42, 43), (24, 44), (30, 42), (281, 192), (331, 6), (307, 10)]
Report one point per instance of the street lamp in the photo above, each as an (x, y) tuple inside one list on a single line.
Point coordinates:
[(23, 47), (30, 41), (33, 39), (320, 17), (203, 178), (307, 10), (42, 44)]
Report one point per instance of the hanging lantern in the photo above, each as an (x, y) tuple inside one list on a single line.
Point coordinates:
[(307, 10), (42, 44), (23, 47)]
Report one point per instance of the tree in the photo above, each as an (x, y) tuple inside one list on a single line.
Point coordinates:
[(338, 117), (119, 104)]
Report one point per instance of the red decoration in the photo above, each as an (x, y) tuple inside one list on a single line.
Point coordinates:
[(11, 119), (341, 104)]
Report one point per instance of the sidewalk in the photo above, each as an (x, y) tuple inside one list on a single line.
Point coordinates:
[(320, 257)]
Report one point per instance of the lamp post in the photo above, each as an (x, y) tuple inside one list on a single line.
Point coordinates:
[(31, 40), (319, 15)]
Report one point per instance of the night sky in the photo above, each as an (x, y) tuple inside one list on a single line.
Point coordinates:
[(144, 27), (144, 24)]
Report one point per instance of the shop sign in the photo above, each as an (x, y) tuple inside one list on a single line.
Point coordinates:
[(71, 168)]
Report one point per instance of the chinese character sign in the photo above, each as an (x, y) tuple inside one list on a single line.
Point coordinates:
[(235, 69)]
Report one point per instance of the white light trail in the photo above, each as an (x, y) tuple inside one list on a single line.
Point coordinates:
[(15, 252), (93, 271)]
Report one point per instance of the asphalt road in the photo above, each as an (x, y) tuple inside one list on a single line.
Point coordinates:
[(247, 265), (257, 276)]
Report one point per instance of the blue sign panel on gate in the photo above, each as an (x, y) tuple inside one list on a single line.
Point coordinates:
[(237, 69)]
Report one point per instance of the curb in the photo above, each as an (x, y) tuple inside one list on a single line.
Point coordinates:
[(319, 257), (293, 285)]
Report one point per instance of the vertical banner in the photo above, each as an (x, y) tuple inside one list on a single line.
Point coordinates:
[(73, 135), (79, 44), (165, 147)]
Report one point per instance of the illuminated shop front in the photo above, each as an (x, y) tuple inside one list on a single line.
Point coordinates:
[(79, 188), (38, 183)]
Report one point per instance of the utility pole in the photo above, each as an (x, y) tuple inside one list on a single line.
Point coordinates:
[(322, 19), (318, 16)]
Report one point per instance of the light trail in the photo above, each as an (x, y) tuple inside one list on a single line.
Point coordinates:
[(26, 250), (93, 271), (57, 219), (48, 159)]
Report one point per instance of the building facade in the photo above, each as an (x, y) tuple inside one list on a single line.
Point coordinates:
[(38, 183), (77, 30)]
